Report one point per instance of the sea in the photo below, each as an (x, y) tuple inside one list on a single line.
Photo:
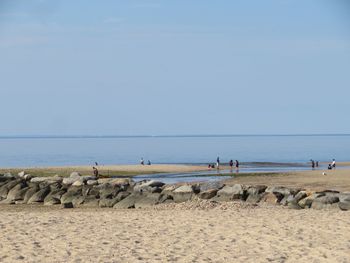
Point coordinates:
[(252, 150)]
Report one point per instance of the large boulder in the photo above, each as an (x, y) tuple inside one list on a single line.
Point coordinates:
[(307, 201), (5, 189), (148, 200), (108, 191), (16, 192), (148, 186), (183, 193), (344, 204), (229, 193), (75, 175), (128, 202), (39, 196), (216, 185), (54, 197), (49, 180), (104, 202), (33, 188), (90, 201), (73, 195), (255, 193), (325, 202), (269, 198), (208, 194)]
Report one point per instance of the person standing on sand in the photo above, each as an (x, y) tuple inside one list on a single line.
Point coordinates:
[(95, 171), (333, 164), (231, 164)]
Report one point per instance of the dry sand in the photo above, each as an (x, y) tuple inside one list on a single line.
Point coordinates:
[(227, 233)]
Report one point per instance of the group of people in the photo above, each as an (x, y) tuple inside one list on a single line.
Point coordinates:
[(142, 162), (231, 163), (315, 164)]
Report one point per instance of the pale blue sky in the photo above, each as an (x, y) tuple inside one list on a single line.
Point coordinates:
[(174, 67)]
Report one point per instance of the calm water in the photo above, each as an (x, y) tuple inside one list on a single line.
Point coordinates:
[(31, 152)]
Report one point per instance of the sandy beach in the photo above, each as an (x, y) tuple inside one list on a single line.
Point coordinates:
[(226, 233)]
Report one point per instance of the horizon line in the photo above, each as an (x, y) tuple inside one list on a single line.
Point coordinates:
[(82, 136)]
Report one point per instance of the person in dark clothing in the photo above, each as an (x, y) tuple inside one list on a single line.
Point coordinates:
[(316, 163), (95, 171), (329, 167), (312, 164), (231, 164), (237, 164)]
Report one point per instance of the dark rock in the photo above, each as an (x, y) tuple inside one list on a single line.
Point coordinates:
[(74, 194), (15, 193), (208, 194), (148, 186), (53, 196), (67, 205), (229, 193), (109, 191), (122, 195), (39, 196)]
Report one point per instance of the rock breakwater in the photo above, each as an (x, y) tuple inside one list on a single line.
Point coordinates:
[(88, 191)]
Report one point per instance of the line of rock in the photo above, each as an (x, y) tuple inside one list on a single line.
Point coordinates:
[(77, 190)]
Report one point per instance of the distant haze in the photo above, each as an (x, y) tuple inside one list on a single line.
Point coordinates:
[(174, 67)]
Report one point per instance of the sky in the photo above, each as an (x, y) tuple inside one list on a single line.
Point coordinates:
[(157, 67)]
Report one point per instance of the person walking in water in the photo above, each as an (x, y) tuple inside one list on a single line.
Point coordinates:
[(217, 163), (142, 162), (231, 164), (312, 164), (237, 165)]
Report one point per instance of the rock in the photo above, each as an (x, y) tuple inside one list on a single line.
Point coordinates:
[(49, 180), (281, 191), (287, 199), (27, 177), (108, 202), (21, 174), (254, 198), (128, 202), (122, 195), (344, 197), (92, 182), (168, 189), (208, 194), (217, 185), (108, 191), (74, 194), (269, 198), (78, 183), (67, 205), (344, 204), (229, 193), (256, 190), (69, 181), (120, 181), (148, 186), (147, 200), (183, 193), (307, 201), (299, 196), (39, 196), (7, 176), (30, 192), (90, 201), (15, 193), (294, 205), (53, 196), (75, 175), (324, 202), (164, 198), (52, 201), (5, 189)]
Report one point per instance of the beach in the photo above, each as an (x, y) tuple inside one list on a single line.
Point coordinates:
[(180, 233), (192, 231)]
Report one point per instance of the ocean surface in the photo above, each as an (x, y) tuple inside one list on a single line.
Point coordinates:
[(293, 150)]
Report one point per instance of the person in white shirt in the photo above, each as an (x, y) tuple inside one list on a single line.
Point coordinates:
[(333, 163)]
